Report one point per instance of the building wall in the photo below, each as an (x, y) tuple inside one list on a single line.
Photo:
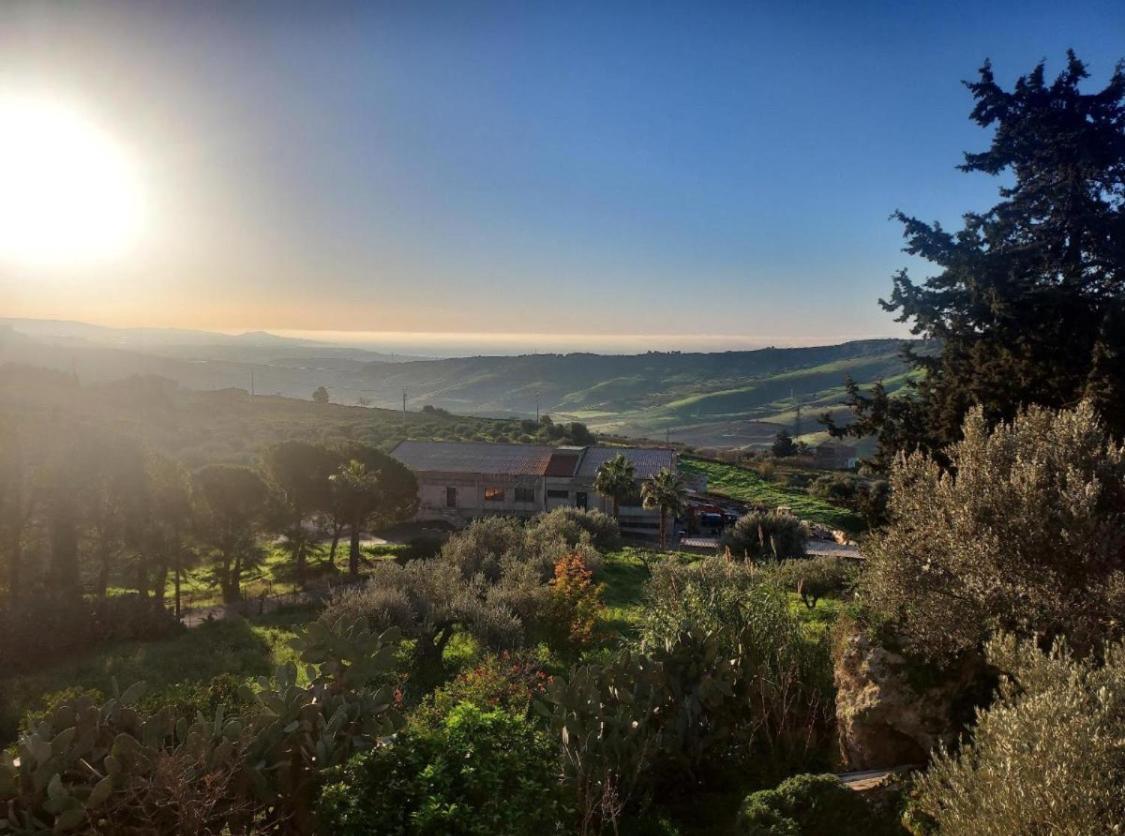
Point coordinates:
[(471, 490)]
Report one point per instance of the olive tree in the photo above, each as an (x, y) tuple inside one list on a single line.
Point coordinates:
[(1021, 532), (1047, 757)]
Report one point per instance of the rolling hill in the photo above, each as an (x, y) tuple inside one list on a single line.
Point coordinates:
[(721, 399)]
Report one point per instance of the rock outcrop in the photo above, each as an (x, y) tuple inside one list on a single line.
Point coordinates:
[(885, 720)]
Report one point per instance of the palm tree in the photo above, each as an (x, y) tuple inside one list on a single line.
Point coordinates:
[(616, 479), (665, 491), (357, 492)]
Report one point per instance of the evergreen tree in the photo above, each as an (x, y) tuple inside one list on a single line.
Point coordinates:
[(1028, 305)]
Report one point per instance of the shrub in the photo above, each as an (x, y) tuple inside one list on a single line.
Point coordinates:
[(570, 523), (41, 628), (814, 577), (766, 535), (479, 773), (1047, 757), (505, 680), (1022, 533), (816, 805), (575, 600), (788, 700), (836, 488), (113, 768)]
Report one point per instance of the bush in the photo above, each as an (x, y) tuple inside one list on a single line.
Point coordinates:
[(570, 523), (807, 805), (479, 773), (505, 681), (1047, 757), (836, 488), (790, 703), (766, 535), (1022, 533), (43, 628), (814, 577), (575, 600)]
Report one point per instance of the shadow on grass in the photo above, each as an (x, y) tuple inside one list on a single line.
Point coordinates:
[(236, 646)]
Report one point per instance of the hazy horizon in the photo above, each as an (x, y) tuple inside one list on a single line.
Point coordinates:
[(449, 344)]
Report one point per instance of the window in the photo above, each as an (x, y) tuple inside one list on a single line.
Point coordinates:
[(451, 497), (555, 493), (525, 494), (493, 494)]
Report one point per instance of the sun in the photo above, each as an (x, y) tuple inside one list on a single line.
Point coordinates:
[(69, 192)]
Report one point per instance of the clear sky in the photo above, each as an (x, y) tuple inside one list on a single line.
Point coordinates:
[(711, 169)]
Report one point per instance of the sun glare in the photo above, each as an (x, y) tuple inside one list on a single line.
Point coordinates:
[(69, 193)]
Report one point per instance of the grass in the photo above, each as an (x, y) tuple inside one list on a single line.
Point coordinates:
[(275, 574), (237, 646), (747, 486)]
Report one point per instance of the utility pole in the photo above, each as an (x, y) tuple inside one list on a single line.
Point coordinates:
[(404, 404)]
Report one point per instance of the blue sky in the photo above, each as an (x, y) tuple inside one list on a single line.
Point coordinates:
[(655, 169)]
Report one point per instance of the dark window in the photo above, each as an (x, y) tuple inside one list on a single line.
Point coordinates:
[(580, 499), (525, 494), (558, 494), (493, 494), (451, 497)]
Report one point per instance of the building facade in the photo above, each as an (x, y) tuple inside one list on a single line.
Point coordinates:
[(459, 481)]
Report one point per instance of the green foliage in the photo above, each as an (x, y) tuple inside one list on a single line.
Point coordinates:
[(42, 629), (506, 680), (616, 479), (665, 492), (569, 523), (783, 445), (1022, 534), (808, 805), (1047, 757), (766, 536), (1028, 301), (113, 768), (837, 488), (479, 772), (815, 577), (726, 683), (747, 486)]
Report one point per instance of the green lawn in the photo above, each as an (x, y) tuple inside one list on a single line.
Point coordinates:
[(746, 486)]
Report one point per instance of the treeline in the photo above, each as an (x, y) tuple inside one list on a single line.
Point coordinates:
[(98, 529)]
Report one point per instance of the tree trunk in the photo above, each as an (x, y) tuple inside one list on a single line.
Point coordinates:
[(663, 530), (616, 507), (160, 589), (177, 590), (353, 552), (301, 561), (337, 529)]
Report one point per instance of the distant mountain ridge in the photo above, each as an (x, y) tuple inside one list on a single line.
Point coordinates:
[(728, 398)]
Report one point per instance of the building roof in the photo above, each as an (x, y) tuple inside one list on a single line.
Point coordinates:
[(563, 463), (523, 459), (474, 457), (646, 460)]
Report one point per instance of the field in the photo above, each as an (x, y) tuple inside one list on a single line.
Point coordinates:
[(747, 486)]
